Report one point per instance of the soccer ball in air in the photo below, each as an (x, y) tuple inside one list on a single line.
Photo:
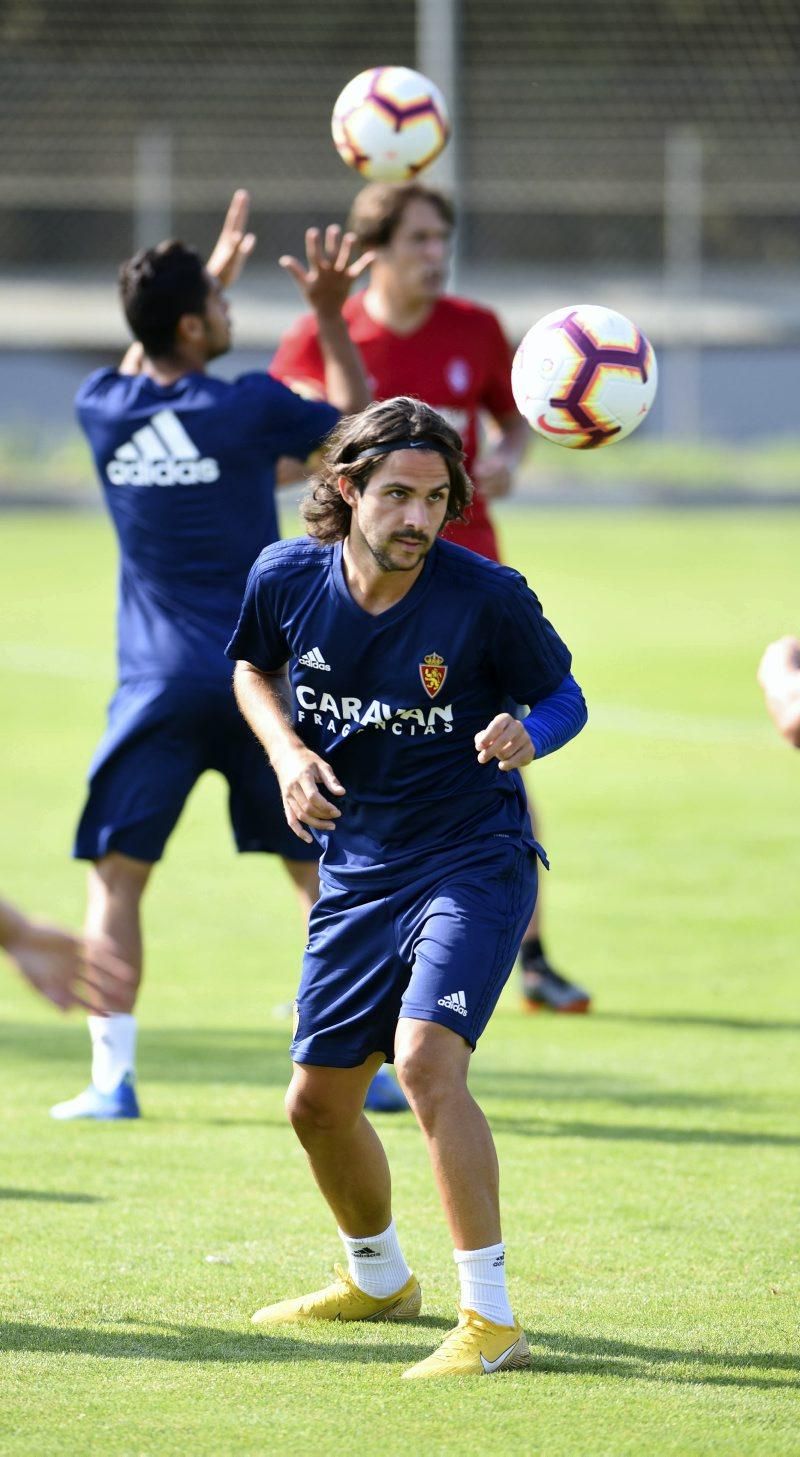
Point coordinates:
[(584, 376), (390, 123)]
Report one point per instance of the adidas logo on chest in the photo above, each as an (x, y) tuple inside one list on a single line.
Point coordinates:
[(314, 659), (161, 453)]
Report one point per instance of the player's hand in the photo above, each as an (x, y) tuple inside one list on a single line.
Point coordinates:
[(492, 476), (71, 971), (780, 658), (133, 359), (330, 274), (289, 471), (507, 740), (300, 775), (234, 244)]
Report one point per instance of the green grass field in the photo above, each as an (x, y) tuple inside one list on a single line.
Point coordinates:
[(649, 1152)]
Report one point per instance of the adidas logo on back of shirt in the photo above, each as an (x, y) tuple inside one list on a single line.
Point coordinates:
[(161, 453), (314, 659), (454, 1002)]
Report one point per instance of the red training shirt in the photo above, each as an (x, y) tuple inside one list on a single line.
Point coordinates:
[(458, 361)]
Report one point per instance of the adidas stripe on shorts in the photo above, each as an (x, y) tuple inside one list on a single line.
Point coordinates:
[(439, 948)]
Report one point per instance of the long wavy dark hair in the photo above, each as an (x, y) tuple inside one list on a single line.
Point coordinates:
[(326, 514)]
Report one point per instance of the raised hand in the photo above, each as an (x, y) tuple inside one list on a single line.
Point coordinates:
[(330, 274), (234, 244)]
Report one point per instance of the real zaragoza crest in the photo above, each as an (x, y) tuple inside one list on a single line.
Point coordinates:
[(433, 672)]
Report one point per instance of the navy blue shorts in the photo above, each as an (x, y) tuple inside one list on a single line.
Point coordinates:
[(439, 948), (161, 736)]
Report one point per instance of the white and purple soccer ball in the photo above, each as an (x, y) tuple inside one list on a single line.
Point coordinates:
[(584, 376), (390, 123)]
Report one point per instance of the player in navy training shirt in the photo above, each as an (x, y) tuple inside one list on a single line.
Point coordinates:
[(393, 744), (186, 463)]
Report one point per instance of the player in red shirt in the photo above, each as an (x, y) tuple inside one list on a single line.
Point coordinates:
[(452, 354)]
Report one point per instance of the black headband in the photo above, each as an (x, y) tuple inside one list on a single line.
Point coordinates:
[(421, 442)]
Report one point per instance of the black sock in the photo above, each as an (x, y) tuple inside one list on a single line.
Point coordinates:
[(531, 951)]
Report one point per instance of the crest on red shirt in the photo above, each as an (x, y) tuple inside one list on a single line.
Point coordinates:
[(432, 671), (458, 375)]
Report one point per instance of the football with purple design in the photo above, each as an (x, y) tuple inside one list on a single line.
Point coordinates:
[(390, 123), (584, 376)]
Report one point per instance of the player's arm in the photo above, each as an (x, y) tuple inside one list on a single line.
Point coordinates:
[(325, 283), (265, 701), (290, 472), (66, 969), (551, 723), (779, 678), (228, 257), (493, 473), (235, 243)]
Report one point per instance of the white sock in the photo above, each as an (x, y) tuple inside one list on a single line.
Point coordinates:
[(376, 1262), (483, 1282), (113, 1049)]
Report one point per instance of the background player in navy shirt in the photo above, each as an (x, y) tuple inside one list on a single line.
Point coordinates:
[(393, 745), (186, 463)]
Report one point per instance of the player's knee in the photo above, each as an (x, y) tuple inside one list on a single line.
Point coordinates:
[(311, 1111), (420, 1077)]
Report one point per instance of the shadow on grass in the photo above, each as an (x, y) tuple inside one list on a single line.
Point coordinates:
[(258, 1056), (50, 1196), (576, 1086), (690, 1019), (162, 1341), (583, 1356), (552, 1352), (642, 1133)]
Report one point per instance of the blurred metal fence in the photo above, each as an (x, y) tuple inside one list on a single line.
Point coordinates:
[(574, 124)]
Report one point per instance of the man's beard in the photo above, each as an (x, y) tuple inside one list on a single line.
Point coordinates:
[(386, 562)]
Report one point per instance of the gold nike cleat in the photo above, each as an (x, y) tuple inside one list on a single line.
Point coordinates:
[(477, 1347), (344, 1301)]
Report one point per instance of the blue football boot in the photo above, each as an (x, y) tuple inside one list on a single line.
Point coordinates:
[(384, 1094), (91, 1103)]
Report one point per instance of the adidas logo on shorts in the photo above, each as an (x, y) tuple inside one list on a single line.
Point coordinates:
[(454, 1002), (161, 453)]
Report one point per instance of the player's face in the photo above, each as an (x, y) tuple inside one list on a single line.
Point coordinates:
[(216, 320), (418, 256), (402, 509)]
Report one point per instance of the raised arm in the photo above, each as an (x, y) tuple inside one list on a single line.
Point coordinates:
[(325, 284), (228, 257), (235, 243), (264, 700)]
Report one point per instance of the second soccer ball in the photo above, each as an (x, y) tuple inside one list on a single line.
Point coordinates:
[(584, 376)]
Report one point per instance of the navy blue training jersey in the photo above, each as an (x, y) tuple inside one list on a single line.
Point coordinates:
[(394, 701), (188, 475)]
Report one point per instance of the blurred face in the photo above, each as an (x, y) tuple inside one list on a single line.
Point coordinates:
[(216, 320), (417, 260), (402, 510)]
